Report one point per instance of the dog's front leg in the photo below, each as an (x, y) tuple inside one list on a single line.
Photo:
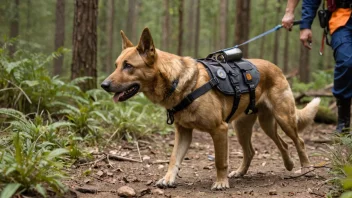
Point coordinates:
[(220, 140), (183, 139)]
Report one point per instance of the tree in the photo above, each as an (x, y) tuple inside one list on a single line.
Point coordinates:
[(166, 26), (110, 32), (262, 43), (304, 69), (242, 24), (286, 52), (133, 9), (223, 23), (190, 26), (84, 57), (59, 34), (180, 27), (277, 35), (197, 29), (14, 26)]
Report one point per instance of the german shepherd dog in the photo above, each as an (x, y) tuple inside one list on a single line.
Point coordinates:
[(143, 68)]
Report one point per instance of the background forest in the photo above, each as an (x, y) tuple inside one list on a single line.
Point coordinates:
[(189, 28), (54, 53)]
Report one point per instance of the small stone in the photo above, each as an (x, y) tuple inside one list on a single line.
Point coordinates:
[(207, 167), (146, 158), (211, 158), (160, 166), (126, 191), (272, 192), (145, 191), (86, 181), (100, 173), (158, 191), (149, 182), (109, 173), (239, 193)]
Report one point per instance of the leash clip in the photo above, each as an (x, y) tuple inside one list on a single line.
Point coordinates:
[(170, 116)]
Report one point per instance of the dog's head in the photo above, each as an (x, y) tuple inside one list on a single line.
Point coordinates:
[(134, 68)]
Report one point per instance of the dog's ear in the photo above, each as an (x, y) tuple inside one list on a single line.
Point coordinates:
[(125, 41), (146, 47)]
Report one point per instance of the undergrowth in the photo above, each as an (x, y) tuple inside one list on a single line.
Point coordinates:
[(46, 123)]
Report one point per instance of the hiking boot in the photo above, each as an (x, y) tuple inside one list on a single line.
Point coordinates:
[(343, 115)]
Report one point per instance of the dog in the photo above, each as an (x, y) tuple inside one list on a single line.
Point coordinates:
[(143, 68)]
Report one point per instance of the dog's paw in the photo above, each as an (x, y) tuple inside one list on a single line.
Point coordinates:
[(221, 185), (236, 174), (289, 164), (166, 182)]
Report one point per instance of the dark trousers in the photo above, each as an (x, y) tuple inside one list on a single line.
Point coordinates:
[(341, 43)]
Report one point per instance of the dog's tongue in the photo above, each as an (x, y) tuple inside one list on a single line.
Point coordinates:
[(117, 96)]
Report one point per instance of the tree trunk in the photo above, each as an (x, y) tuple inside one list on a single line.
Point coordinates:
[(110, 33), (14, 26), (180, 27), (197, 28), (242, 24), (166, 26), (133, 8), (59, 35), (286, 52), (84, 57), (190, 27), (304, 70), (223, 23), (277, 35), (262, 44), (28, 25)]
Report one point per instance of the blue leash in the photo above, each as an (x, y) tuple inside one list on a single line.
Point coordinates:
[(276, 28)]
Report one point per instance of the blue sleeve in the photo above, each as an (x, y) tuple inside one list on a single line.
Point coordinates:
[(309, 10)]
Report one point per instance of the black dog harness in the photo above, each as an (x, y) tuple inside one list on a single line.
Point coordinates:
[(231, 78)]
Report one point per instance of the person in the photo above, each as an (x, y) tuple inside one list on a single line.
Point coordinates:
[(340, 26)]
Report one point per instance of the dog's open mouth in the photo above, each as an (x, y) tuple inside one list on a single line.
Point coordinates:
[(128, 93)]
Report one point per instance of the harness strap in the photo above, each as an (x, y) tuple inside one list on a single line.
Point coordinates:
[(236, 100), (251, 108), (190, 98)]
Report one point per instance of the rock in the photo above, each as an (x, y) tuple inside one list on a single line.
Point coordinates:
[(239, 193), (100, 173), (211, 158), (109, 173), (146, 158), (160, 166), (126, 191), (145, 191), (86, 181), (158, 191), (149, 182), (272, 192)]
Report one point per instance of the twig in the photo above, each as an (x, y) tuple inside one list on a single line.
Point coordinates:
[(113, 135), (93, 162), (139, 152), (107, 158), (120, 158), (160, 162), (313, 193), (300, 175)]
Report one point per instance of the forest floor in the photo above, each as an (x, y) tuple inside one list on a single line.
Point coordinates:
[(266, 177)]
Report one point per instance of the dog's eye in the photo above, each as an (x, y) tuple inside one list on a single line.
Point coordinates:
[(127, 66)]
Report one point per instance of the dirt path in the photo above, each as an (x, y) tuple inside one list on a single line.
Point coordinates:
[(266, 174)]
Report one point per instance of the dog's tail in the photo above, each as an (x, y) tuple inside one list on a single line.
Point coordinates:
[(306, 115)]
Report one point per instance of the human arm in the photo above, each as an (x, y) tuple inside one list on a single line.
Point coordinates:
[(287, 20), (309, 10)]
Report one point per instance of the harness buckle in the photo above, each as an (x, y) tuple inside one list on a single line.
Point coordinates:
[(213, 82)]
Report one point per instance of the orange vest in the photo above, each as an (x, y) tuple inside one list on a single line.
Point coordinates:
[(339, 18)]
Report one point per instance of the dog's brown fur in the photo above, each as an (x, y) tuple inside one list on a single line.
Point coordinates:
[(155, 70)]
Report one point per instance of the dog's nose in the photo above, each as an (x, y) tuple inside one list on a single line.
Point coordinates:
[(105, 85)]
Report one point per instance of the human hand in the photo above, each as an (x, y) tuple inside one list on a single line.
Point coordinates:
[(287, 20), (306, 38)]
